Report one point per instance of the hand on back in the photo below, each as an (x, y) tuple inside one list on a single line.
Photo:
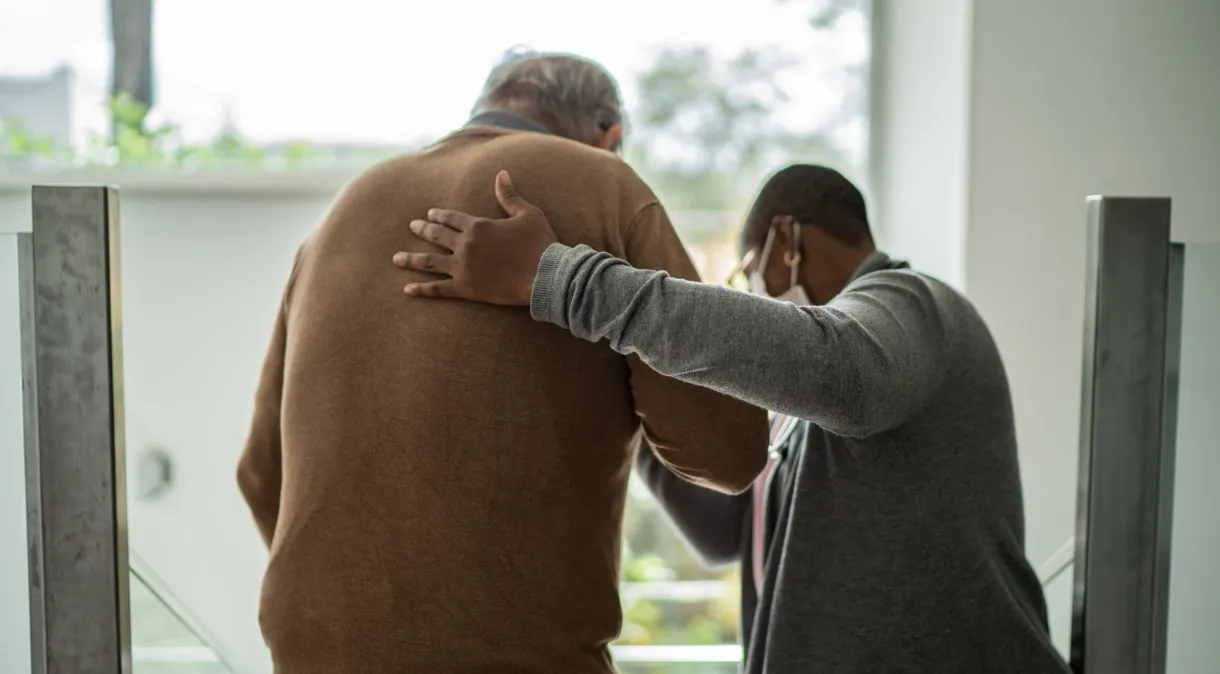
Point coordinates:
[(486, 260)]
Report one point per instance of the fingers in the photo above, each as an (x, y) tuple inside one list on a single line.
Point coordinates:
[(438, 234), (452, 219), (434, 289), (508, 197), (427, 262)]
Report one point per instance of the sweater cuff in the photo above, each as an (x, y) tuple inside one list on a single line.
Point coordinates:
[(549, 296)]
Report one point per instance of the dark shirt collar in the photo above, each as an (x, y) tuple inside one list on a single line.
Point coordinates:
[(506, 120), (878, 261)]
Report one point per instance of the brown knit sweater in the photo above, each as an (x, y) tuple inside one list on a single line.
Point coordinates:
[(441, 483)]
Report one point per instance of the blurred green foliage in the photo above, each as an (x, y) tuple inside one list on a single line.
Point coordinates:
[(138, 140)]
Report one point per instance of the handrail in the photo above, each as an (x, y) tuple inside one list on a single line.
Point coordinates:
[(1058, 562)]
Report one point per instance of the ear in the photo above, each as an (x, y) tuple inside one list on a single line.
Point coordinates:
[(611, 139)]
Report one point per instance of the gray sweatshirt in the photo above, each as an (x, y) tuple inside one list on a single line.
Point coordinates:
[(898, 538)]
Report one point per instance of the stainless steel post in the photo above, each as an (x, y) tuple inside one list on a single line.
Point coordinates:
[(72, 385), (1124, 509)]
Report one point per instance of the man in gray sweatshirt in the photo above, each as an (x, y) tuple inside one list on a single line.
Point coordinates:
[(895, 520)]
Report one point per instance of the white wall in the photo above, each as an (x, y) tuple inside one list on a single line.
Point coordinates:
[(918, 115), (1064, 100)]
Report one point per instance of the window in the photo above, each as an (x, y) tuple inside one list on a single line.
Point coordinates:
[(716, 100)]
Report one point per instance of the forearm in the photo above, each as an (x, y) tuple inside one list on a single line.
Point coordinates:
[(853, 367), (711, 522)]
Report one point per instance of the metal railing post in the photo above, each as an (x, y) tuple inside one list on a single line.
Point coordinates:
[(73, 400), (1129, 411)]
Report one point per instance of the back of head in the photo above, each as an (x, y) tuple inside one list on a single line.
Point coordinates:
[(572, 96), (813, 195)]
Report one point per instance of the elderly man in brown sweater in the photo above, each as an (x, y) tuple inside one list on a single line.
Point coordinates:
[(441, 485)]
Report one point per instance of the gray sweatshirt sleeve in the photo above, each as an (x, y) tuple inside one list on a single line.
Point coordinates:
[(858, 366), (712, 523)]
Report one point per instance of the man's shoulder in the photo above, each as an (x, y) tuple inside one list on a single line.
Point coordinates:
[(561, 175)]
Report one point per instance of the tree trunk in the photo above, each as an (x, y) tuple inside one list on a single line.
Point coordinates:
[(131, 72)]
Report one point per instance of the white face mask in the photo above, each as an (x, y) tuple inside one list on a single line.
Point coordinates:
[(795, 293)]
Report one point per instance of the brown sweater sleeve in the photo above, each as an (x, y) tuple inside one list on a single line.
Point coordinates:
[(703, 436)]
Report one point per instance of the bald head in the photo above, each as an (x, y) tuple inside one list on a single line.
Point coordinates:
[(572, 96)]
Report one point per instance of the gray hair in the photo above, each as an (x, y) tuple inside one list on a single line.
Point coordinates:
[(572, 96)]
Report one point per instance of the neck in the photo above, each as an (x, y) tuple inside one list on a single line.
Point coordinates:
[(828, 278), (513, 117)]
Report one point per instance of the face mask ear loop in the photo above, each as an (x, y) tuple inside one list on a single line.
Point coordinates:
[(764, 255), (793, 257)]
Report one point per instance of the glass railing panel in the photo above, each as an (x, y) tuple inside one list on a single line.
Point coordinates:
[(165, 639), (1058, 592), (1194, 594), (14, 576)]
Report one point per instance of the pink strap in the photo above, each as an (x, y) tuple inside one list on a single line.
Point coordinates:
[(761, 486)]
